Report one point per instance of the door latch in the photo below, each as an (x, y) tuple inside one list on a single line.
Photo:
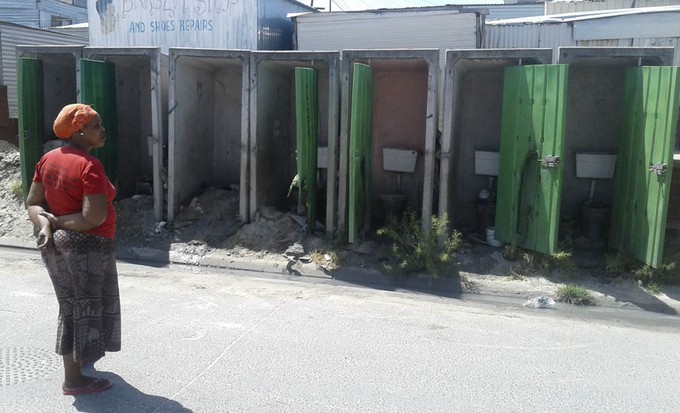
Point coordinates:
[(659, 169), (551, 161)]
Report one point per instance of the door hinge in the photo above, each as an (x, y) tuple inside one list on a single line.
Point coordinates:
[(659, 169), (550, 161)]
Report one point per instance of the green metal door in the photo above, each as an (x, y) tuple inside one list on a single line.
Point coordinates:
[(645, 162), (532, 140), (31, 117), (360, 158), (98, 89), (306, 116)]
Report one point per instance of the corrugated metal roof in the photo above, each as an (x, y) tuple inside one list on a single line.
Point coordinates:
[(656, 26), (586, 15), (528, 36), (514, 11), (571, 6), (373, 12)]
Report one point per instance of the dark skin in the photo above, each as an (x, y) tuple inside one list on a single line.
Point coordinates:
[(93, 213)]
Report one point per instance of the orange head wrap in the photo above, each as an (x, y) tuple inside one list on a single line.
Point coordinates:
[(71, 119)]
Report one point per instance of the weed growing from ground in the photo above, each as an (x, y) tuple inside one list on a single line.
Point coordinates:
[(617, 263), (620, 264), (515, 275), (415, 249), (16, 189), (510, 252), (564, 261), (575, 294), (538, 261)]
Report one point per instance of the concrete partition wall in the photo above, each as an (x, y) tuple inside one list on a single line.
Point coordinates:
[(208, 124), (61, 78), (140, 106), (405, 89), (594, 111), (471, 110), (273, 134)]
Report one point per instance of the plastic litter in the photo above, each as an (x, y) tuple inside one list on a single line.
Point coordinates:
[(540, 302)]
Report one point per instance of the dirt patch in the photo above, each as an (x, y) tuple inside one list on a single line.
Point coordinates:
[(14, 223)]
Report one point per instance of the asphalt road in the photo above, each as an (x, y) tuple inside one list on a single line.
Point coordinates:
[(207, 340)]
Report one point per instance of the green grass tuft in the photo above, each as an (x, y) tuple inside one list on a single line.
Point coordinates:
[(575, 294), (16, 188)]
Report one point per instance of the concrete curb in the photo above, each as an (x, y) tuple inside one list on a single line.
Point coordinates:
[(448, 286)]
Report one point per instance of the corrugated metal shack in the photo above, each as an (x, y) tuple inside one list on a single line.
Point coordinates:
[(245, 24), (446, 27), (41, 14), (654, 26), (12, 35)]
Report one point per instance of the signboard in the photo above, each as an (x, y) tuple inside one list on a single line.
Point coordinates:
[(224, 24)]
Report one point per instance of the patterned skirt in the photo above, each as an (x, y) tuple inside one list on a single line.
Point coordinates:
[(83, 271)]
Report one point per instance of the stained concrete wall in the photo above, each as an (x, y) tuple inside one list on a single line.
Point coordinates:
[(273, 138), (399, 107), (208, 124), (405, 116)]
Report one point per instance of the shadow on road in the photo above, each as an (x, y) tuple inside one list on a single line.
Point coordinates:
[(444, 286), (123, 397), (645, 301)]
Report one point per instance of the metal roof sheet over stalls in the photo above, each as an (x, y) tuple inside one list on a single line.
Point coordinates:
[(654, 26), (446, 27)]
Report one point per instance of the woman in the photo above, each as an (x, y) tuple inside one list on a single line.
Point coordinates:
[(70, 203)]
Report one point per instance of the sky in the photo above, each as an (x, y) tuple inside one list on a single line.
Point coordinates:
[(347, 5)]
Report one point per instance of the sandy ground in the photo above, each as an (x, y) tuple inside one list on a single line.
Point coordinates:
[(209, 224)]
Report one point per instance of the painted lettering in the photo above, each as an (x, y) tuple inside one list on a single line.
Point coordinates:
[(127, 7), (136, 27), (203, 6), (169, 7), (162, 26), (195, 25)]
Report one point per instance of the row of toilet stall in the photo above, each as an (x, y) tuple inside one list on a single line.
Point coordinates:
[(492, 138)]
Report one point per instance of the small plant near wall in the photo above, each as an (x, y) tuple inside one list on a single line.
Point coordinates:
[(415, 250), (575, 294), (16, 188), (619, 264), (563, 260)]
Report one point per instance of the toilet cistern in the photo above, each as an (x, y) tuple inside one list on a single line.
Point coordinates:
[(595, 166), (487, 163), (399, 161)]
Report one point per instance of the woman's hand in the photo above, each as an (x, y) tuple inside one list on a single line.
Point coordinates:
[(44, 237)]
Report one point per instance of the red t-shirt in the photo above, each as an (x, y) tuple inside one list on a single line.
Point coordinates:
[(68, 174)]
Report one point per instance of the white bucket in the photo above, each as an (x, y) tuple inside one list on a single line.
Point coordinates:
[(491, 237)]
